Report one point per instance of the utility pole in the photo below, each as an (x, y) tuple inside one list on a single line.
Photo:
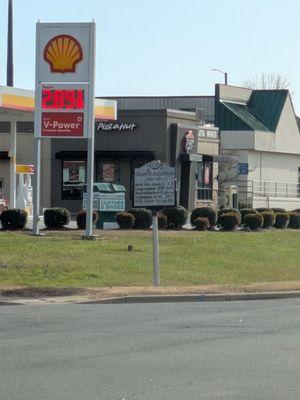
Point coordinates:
[(10, 65)]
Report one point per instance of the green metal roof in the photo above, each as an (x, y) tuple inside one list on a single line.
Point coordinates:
[(261, 112), (267, 105), (243, 112)]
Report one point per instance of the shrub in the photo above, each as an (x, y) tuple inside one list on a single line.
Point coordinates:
[(202, 224), (229, 221), (162, 220), (125, 220), (245, 211), (142, 216), (269, 218), (176, 216), (206, 212), (282, 220), (278, 210), (262, 209), (229, 211), (56, 218), (294, 222), (13, 218), (253, 221), (243, 205), (81, 219), (297, 210)]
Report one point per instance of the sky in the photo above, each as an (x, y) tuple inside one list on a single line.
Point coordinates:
[(167, 47)]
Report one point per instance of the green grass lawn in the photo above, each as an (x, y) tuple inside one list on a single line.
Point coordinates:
[(186, 258)]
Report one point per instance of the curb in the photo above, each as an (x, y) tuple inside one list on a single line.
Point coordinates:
[(170, 298), (195, 298), (9, 303)]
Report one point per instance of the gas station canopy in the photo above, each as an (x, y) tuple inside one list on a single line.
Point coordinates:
[(13, 99)]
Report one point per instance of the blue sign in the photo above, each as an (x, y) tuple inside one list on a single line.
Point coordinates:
[(243, 168)]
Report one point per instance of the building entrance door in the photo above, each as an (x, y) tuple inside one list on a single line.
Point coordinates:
[(184, 184)]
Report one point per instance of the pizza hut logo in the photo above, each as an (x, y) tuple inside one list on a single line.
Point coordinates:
[(188, 142)]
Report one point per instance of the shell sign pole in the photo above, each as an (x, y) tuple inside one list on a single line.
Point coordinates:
[(64, 96)]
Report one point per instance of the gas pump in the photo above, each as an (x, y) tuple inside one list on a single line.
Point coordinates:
[(24, 187)]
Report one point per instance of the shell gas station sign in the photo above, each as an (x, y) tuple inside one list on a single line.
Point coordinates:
[(64, 79), (64, 101)]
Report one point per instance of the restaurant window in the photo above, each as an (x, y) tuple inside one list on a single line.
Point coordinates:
[(204, 180), (25, 127), (4, 127), (74, 176), (108, 171)]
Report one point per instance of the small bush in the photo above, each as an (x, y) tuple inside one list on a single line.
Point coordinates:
[(263, 209), (278, 210), (229, 221), (81, 219), (176, 216), (125, 220), (282, 220), (297, 210), (207, 212), (245, 211), (294, 222), (202, 224), (56, 218), (269, 218), (253, 221), (229, 211), (13, 218), (142, 217), (162, 221)]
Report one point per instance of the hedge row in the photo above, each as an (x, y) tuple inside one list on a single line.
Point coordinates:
[(229, 219), (141, 218), (202, 218)]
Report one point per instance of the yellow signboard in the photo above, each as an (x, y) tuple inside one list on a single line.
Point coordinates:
[(25, 169)]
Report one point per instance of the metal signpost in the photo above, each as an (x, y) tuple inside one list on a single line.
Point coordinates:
[(154, 188), (64, 96)]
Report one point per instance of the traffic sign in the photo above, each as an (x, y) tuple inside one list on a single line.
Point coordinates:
[(243, 169)]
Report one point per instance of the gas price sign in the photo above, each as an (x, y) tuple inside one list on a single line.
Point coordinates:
[(62, 110), (65, 99)]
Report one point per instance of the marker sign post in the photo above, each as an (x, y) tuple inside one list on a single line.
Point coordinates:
[(64, 96), (154, 188)]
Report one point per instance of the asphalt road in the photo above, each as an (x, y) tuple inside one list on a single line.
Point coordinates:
[(238, 350)]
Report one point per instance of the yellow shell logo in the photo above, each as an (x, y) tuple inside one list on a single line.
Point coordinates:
[(63, 53)]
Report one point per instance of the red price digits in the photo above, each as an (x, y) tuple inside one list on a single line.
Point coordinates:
[(62, 99)]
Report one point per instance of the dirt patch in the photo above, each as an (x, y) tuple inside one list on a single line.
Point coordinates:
[(204, 289), (109, 292), (40, 292)]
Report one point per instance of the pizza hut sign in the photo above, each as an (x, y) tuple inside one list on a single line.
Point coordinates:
[(115, 126), (188, 141)]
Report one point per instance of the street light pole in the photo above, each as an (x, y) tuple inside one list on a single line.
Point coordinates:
[(222, 72)]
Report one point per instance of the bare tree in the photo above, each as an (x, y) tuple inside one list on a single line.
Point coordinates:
[(228, 175), (267, 81)]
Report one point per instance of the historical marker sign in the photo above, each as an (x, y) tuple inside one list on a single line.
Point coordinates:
[(154, 185)]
